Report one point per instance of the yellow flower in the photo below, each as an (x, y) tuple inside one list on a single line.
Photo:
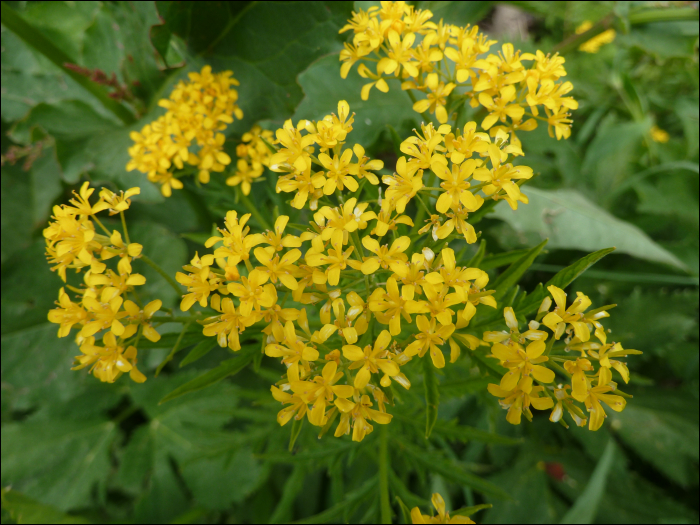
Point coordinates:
[(236, 241), (321, 391), (519, 401), (227, 326), (104, 313), (278, 269), (200, 282), (118, 201), (371, 361), (364, 165), (564, 400), (500, 107), (385, 256), (442, 517), (109, 361), (522, 363), (573, 316), (335, 260), (385, 222), (389, 306), (579, 381), (659, 135), (67, 314), (361, 414), (593, 399), (251, 292), (302, 184), (245, 175), (379, 82), (500, 178), (141, 317), (80, 205), (399, 56), (338, 174), (403, 185), (298, 404), (454, 183), (293, 350), (594, 44), (436, 98), (294, 152), (276, 238), (430, 338)]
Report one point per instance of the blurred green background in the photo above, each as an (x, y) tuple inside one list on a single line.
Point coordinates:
[(75, 450)]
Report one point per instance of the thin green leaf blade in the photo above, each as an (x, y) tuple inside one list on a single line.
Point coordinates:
[(562, 279), (226, 368), (515, 271), (468, 511), (199, 351), (586, 506), (432, 396)]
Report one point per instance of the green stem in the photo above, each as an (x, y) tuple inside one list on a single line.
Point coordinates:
[(173, 284), (385, 504), (174, 350), (31, 36), (549, 346), (559, 368), (94, 217), (254, 211), (126, 232)]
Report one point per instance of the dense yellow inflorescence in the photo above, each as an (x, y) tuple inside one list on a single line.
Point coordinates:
[(451, 64), (198, 111), (109, 325)]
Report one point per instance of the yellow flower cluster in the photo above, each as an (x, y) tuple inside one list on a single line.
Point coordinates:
[(452, 65), (442, 515), (348, 275), (594, 44), (253, 156), (99, 305), (197, 112), (531, 362)]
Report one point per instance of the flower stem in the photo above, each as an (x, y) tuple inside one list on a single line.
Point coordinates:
[(254, 211), (126, 232), (385, 505), (173, 284)]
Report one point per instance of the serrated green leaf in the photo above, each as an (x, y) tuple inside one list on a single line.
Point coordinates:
[(225, 369)]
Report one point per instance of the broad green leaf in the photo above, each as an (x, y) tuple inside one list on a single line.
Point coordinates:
[(585, 508), (323, 88), (432, 396), (458, 13), (227, 368), (164, 498), (17, 223), (23, 509), (452, 472), (506, 280), (209, 478), (59, 461), (570, 221), (561, 280), (199, 351)]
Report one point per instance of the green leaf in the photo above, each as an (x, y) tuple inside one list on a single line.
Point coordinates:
[(571, 221), (509, 278), (292, 488), (199, 351), (323, 88), (669, 442), (561, 280), (457, 432), (227, 368), (585, 508), (501, 259), (452, 471), (23, 509), (334, 513), (476, 261), (405, 511), (468, 511), (14, 22), (432, 396), (57, 461), (297, 425)]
